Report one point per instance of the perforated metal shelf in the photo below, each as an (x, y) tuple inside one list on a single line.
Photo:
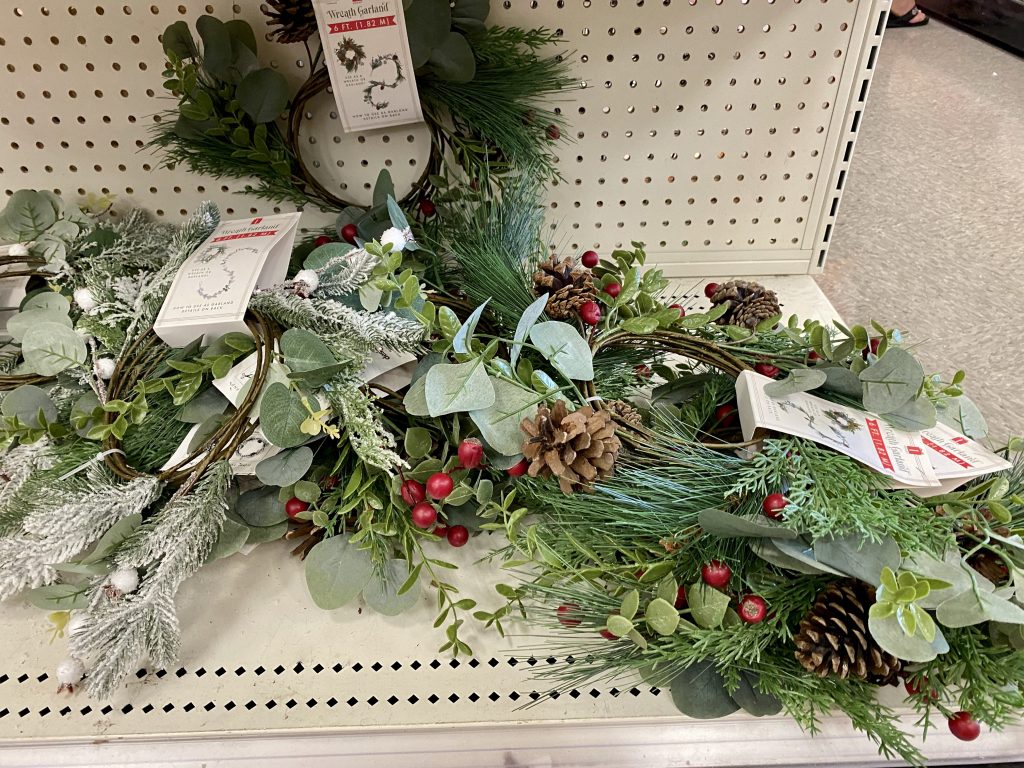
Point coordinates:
[(718, 131), (266, 678)]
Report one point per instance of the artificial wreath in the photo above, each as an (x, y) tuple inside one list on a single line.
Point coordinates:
[(350, 53)]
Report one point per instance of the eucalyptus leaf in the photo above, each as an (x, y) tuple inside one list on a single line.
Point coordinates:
[(285, 468), (28, 214), (798, 380), (843, 381), (751, 699), (725, 524), (304, 351), (261, 508), (321, 255), (262, 534), (888, 633), (395, 213), (48, 301), (177, 40), (415, 400), (970, 607), (336, 571), (233, 536), (530, 316), (209, 402), (463, 341), (381, 592), (23, 322), (499, 423), (963, 415), (281, 416), (858, 557), (564, 348), (59, 597), (428, 23), (263, 94), (619, 626), (914, 415), (50, 348), (699, 691), (630, 604), (453, 59), (891, 381), (217, 53), (26, 402), (707, 605), (798, 554), (455, 387), (111, 540)]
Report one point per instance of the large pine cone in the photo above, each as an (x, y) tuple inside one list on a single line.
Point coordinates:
[(293, 21), (568, 287), (577, 448), (834, 637), (749, 303)]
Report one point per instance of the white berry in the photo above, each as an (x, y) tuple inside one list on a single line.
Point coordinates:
[(309, 278), (105, 367), (125, 580), (70, 671), (76, 623), (85, 299), (18, 249), (395, 238)]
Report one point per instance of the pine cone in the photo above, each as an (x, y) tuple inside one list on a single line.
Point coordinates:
[(577, 447), (568, 287), (294, 21), (749, 303), (625, 412), (834, 637)]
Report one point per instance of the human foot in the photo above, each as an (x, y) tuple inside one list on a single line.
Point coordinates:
[(905, 14)]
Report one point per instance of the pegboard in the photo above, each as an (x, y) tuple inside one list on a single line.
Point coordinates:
[(717, 131)]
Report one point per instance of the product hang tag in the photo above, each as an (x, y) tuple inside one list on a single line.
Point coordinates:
[(211, 292), (366, 48)]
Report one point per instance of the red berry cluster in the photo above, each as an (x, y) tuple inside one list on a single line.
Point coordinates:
[(752, 608)]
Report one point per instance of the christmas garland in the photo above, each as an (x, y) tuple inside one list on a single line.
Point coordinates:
[(485, 108)]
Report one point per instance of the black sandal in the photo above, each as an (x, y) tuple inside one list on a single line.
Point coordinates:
[(905, 19)]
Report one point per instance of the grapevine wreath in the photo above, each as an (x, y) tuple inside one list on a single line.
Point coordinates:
[(430, 372)]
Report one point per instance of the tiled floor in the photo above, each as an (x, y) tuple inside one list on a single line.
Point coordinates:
[(931, 229)]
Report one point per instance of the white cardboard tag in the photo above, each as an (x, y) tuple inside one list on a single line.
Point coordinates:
[(211, 292), (366, 49)]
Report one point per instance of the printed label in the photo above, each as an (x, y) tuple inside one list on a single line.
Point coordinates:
[(366, 49)]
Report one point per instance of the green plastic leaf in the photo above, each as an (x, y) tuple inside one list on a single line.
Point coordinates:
[(767, 551), (48, 301), (499, 423), (233, 536), (304, 351), (564, 348), (23, 322), (382, 591), (306, 490), (27, 402), (858, 557), (463, 340), (111, 540), (27, 215), (914, 415), (59, 597), (963, 415), (337, 571), (396, 214), (619, 626), (751, 699), (640, 325), (888, 633), (891, 381), (281, 416), (455, 387), (418, 442), (177, 40), (630, 604), (526, 322), (217, 53), (484, 491), (263, 94), (727, 525), (668, 589), (661, 616), (428, 23), (707, 605), (474, 10), (797, 549), (798, 380), (260, 507), (209, 402), (415, 400), (843, 381), (285, 468), (970, 607), (50, 348), (699, 691), (383, 188)]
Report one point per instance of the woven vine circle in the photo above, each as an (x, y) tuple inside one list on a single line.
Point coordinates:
[(144, 357)]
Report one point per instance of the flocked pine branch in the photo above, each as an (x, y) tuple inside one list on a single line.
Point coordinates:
[(16, 467), (77, 512), (367, 434), (170, 546), (346, 274)]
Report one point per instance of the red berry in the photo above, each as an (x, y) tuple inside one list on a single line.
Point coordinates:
[(812, 355), (590, 313), (613, 289), (441, 531), (710, 289), (874, 344), (680, 307), (440, 485), (330, 482), (457, 535), (919, 686), (424, 515), (681, 601), (643, 371), (322, 240), (413, 492), (427, 208), (607, 635), (590, 259), (565, 616), (554, 132), (716, 574), (293, 507), (349, 233), (471, 453), (765, 369), (725, 414), (753, 609), (964, 727), (519, 469), (773, 505)]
